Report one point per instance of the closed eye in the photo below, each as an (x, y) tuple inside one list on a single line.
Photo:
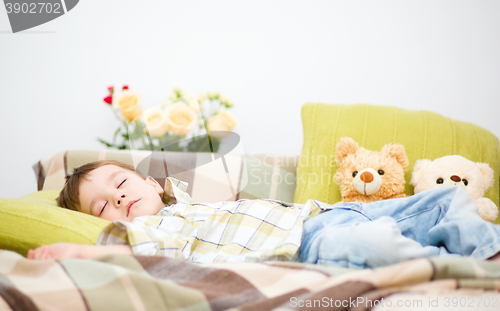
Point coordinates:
[(102, 210), (122, 182)]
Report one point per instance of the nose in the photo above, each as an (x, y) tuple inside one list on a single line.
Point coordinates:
[(366, 177), (119, 200), (456, 178)]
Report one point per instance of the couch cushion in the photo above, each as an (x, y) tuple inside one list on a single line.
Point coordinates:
[(424, 134), (35, 219)]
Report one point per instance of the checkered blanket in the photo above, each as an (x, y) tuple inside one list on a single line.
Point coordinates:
[(123, 283)]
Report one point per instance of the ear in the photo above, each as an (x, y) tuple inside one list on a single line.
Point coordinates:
[(417, 169), (398, 152), (153, 183), (345, 147), (487, 173)]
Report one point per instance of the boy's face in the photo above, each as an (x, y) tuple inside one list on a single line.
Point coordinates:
[(115, 193)]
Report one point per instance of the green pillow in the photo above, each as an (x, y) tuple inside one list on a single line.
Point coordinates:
[(35, 219), (424, 134)]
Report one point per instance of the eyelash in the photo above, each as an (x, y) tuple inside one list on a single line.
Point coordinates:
[(102, 210), (121, 183)]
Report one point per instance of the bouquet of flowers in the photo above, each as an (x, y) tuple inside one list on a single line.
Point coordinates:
[(186, 123)]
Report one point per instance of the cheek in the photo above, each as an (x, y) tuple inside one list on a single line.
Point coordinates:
[(112, 214), (108, 216)]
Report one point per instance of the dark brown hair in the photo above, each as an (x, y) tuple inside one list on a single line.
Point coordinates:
[(69, 196)]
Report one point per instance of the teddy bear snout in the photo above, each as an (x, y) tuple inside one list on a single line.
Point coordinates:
[(367, 181), (454, 180), (366, 177)]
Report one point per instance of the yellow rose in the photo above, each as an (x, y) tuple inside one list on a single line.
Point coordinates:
[(154, 121), (128, 105), (180, 118), (223, 121)]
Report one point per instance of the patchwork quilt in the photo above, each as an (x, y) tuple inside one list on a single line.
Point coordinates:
[(119, 282)]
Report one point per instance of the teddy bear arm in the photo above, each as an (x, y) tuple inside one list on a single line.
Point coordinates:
[(487, 209)]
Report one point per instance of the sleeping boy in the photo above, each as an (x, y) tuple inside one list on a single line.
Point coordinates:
[(147, 219)]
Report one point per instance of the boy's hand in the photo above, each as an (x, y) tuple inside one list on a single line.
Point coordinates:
[(57, 251)]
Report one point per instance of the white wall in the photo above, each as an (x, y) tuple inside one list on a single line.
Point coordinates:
[(269, 56)]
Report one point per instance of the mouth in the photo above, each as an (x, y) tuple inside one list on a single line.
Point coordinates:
[(129, 206)]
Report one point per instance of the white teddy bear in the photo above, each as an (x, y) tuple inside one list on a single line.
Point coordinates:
[(455, 170)]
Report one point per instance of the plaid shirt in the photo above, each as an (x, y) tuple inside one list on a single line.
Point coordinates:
[(244, 230)]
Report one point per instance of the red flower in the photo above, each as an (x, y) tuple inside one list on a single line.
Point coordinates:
[(111, 89), (125, 87), (108, 99)]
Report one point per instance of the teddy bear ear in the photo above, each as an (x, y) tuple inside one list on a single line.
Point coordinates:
[(487, 173), (345, 147), (398, 152), (417, 169)]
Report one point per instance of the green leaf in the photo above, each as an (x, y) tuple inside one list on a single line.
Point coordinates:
[(116, 133), (105, 142)]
